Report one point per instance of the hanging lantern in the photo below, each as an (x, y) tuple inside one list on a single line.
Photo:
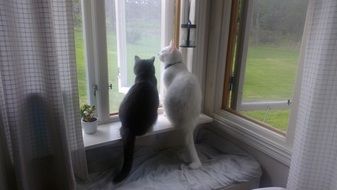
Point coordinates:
[(188, 30), (188, 35)]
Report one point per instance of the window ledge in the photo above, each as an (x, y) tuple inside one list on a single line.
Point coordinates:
[(109, 133), (254, 135)]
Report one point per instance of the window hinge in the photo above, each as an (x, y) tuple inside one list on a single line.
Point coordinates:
[(231, 83), (95, 88)]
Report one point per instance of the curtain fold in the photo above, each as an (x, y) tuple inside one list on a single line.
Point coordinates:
[(40, 123), (314, 163)]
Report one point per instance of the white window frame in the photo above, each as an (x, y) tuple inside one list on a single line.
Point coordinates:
[(95, 45), (121, 47), (273, 144)]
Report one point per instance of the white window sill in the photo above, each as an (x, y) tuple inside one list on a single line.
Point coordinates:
[(109, 133)]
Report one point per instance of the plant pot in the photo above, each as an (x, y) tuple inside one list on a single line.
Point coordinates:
[(89, 127)]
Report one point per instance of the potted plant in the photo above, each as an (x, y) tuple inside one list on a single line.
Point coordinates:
[(88, 121)]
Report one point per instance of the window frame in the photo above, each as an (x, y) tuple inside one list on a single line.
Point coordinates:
[(255, 134), (233, 83), (95, 45)]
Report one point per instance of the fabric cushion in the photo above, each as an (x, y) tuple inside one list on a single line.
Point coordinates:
[(165, 170)]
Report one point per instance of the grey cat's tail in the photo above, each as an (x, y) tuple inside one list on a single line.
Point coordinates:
[(128, 145)]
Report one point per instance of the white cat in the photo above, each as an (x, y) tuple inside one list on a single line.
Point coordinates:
[(182, 99)]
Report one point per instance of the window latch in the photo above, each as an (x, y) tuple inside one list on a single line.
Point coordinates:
[(95, 88)]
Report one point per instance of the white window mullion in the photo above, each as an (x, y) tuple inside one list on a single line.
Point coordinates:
[(184, 4), (167, 32), (167, 22), (121, 46), (89, 50), (101, 59)]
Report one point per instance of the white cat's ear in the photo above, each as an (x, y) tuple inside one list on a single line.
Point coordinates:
[(137, 58), (173, 44)]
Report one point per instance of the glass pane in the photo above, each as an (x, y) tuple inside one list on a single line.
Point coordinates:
[(143, 32), (143, 38), (274, 42), (79, 48)]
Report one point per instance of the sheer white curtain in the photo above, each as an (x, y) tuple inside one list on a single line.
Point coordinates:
[(40, 133), (314, 159)]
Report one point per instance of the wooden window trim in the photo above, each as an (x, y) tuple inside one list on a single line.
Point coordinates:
[(230, 53)]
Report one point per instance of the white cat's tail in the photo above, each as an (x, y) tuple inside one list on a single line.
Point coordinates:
[(188, 130)]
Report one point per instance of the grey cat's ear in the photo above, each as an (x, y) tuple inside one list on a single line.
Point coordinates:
[(152, 59), (137, 58)]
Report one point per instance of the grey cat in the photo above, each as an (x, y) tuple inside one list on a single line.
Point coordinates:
[(138, 110)]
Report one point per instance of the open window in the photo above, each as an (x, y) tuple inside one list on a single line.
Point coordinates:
[(108, 34), (262, 60)]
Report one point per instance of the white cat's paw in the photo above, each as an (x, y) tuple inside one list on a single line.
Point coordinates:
[(195, 165)]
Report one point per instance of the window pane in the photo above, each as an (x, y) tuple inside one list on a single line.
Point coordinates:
[(143, 32), (79, 48), (274, 42), (143, 38)]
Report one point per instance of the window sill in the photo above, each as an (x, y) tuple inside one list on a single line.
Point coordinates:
[(109, 133), (260, 138)]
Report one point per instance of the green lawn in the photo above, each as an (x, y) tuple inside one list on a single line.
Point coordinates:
[(81, 71), (270, 74)]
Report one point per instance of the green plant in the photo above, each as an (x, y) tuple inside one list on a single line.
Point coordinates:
[(87, 113)]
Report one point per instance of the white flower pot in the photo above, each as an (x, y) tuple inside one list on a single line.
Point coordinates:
[(89, 127)]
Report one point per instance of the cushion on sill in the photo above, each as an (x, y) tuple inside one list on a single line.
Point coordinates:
[(164, 170)]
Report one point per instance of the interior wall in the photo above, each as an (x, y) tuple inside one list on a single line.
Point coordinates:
[(275, 173)]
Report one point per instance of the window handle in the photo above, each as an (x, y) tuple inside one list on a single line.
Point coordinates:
[(95, 88), (110, 86)]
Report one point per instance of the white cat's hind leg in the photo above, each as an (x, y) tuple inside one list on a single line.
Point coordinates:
[(190, 146), (183, 156)]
